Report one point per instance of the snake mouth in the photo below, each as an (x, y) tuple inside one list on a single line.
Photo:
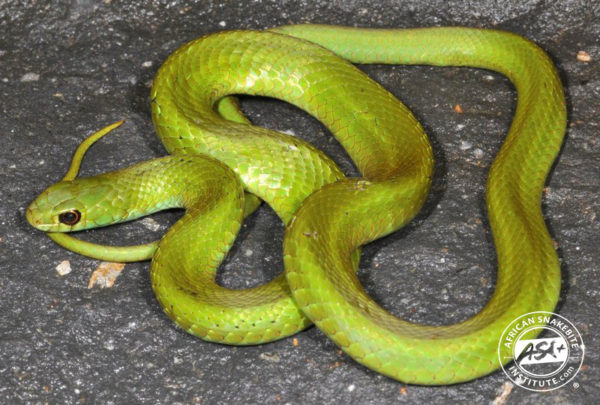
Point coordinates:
[(35, 221)]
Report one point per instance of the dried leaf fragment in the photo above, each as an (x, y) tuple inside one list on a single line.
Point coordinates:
[(106, 274)]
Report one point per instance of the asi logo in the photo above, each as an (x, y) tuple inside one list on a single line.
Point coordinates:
[(541, 364)]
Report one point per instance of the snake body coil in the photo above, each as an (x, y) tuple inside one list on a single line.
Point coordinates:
[(328, 217)]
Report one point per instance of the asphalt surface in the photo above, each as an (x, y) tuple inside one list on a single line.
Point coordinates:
[(68, 68)]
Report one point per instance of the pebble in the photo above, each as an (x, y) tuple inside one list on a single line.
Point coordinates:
[(30, 77), (583, 56), (465, 145), (64, 268), (272, 357)]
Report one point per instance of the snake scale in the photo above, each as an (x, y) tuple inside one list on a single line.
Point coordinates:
[(221, 166)]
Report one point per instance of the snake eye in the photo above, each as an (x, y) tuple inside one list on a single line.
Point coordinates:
[(70, 217)]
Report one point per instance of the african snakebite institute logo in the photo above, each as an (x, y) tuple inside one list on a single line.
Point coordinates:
[(545, 363)]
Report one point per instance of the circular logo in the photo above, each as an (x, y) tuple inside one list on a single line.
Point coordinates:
[(541, 351)]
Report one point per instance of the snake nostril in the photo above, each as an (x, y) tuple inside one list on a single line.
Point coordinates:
[(31, 217)]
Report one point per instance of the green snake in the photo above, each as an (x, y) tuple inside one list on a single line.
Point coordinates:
[(221, 166)]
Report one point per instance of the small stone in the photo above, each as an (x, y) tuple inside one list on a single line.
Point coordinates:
[(478, 153), (222, 23), (465, 145), (583, 56), (147, 64), (30, 77), (109, 345), (272, 357), (64, 268)]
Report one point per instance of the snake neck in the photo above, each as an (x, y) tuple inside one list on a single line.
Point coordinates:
[(149, 187)]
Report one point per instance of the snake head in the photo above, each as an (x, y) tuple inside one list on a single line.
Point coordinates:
[(68, 206), (74, 203)]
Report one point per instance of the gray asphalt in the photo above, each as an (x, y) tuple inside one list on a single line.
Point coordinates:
[(68, 68)]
